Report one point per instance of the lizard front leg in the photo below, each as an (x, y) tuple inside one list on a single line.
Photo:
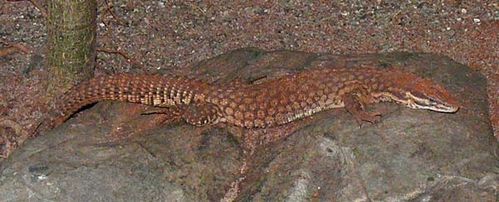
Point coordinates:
[(355, 104)]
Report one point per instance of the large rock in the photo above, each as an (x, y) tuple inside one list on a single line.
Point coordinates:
[(412, 155)]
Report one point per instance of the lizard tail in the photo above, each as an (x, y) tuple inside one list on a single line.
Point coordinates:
[(122, 87), (145, 89)]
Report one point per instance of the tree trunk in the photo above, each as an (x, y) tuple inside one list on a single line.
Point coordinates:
[(71, 26)]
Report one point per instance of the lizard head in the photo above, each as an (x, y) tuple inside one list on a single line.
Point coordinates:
[(420, 93)]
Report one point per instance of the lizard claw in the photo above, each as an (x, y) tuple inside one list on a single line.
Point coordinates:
[(371, 117)]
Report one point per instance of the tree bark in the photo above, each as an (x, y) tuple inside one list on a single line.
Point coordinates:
[(71, 26)]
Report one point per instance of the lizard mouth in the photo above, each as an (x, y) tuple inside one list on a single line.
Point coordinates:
[(433, 107), (429, 104), (415, 102)]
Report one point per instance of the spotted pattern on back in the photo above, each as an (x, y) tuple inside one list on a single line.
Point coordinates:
[(265, 104)]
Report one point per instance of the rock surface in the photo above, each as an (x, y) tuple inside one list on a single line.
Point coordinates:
[(411, 155)]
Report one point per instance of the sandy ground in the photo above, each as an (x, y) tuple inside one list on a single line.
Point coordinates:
[(169, 36)]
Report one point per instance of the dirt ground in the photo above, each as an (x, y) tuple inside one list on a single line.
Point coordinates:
[(170, 36)]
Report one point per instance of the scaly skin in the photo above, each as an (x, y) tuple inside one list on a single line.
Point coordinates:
[(267, 104)]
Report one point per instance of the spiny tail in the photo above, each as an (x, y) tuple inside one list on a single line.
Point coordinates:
[(155, 90)]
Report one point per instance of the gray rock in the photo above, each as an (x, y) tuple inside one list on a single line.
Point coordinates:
[(411, 155)]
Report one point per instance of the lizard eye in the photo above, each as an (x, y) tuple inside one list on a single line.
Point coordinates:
[(434, 101)]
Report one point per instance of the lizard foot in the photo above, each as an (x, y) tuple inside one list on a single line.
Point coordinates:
[(355, 105), (363, 116), (173, 111)]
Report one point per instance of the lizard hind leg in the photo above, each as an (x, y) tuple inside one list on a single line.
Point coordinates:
[(200, 114)]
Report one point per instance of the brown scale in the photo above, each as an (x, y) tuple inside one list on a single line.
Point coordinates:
[(266, 104), (313, 91)]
